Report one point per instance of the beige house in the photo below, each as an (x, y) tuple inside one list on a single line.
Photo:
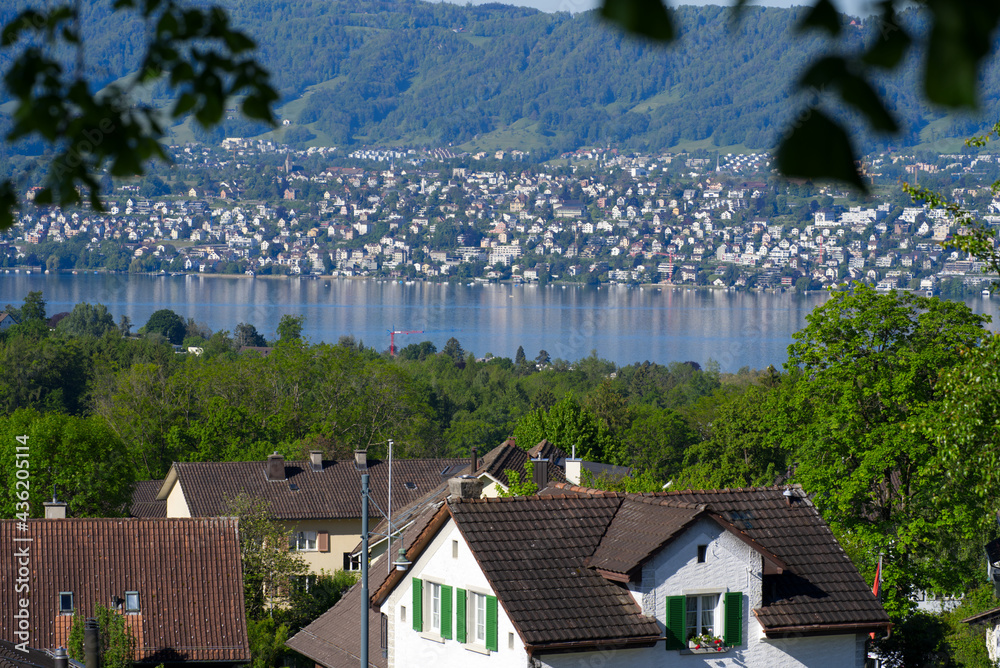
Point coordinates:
[(318, 500)]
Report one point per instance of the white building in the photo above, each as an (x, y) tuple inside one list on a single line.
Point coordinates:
[(582, 577)]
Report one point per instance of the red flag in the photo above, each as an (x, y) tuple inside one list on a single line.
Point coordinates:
[(877, 586)]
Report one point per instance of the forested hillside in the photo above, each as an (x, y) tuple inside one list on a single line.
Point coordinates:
[(368, 72)]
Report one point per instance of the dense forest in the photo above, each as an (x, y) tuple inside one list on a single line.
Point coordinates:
[(368, 72), (885, 412)]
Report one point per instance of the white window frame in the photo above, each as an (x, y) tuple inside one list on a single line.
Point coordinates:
[(703, 607), (63, 610), (305, 541), (132, 603), (475, 615), (431, 629)]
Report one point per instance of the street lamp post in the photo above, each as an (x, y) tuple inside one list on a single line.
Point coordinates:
[(364, 571)]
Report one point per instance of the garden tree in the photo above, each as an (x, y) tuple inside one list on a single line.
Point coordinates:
[(32, 309), (417, 351), (313, 595), (166, 323), (656, 441), (520, 485), (118, 642), (47, 373), (87, 320), (141, 404), (267, 638), (569, 424), (453, 349), (966, 425), (125, 325), (749, 443), (192, 50), (640, 482), (290, 328), (519, 358), (246, 335), (79, 458), (269, 567), (870, 364), (543, 358)]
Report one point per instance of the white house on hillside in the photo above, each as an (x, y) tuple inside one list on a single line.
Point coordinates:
[(580, 576)]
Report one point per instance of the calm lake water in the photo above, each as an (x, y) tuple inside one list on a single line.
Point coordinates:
[(622, 324)]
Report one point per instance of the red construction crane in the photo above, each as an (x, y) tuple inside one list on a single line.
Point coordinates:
[(392, 338)]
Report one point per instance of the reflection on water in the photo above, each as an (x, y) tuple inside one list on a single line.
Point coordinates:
[(622, 324)]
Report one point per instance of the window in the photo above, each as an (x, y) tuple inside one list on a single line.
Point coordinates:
[(432, 614), (701, 615), (132, 601), (303, 582), (66, 603), (478, 626), (702, 552), (304, 541), (434, 597), (352, 562), (719, 615), (476, 619)]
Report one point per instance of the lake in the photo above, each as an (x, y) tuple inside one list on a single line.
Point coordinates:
[(622, 324)]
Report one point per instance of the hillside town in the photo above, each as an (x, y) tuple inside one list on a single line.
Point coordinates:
[(595, 216)]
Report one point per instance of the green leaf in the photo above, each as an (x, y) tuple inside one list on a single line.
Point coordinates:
[(649, 18), (822, 15), (185, 103), (819, 148), (892, 43), (960, 38)]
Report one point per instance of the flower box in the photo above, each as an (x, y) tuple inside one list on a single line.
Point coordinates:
[(707, 645)]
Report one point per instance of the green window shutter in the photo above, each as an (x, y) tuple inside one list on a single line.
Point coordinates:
[(676, 621), (491, 624), (460, 615), (734, 619), (418, 605), (446, 612)]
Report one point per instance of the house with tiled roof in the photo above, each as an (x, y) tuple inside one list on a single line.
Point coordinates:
[(577, 575), (318, 500), (177, 582)]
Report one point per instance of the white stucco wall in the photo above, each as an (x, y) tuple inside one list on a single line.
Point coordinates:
[(410, 648), (993, 642), (730, 566), (176, 503)]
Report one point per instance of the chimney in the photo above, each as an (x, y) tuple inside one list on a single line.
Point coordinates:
[(466, 487), (59, 658), (541, 476), (316, 460), (91, 644), (789, 495), (55, 510), (361, 460), (475, 459), (275, 467)]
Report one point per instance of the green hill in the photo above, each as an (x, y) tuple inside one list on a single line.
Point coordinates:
[(492, 76)]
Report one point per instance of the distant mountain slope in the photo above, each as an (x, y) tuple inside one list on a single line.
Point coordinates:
[(376, 72)]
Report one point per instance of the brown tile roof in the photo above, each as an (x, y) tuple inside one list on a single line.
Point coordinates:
[(532, 551), (11, 657), (333, 493), (187, 573), (333, 639), (639, 528), (144, 503), (819, 586), (508, 457)]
